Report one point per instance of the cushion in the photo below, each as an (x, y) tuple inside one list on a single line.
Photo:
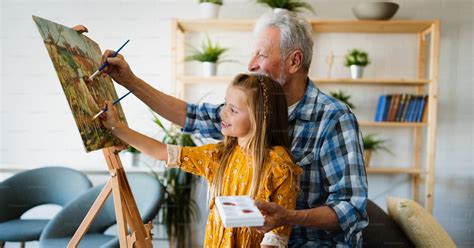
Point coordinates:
[(382, 231), (419, 225), (18, 230)]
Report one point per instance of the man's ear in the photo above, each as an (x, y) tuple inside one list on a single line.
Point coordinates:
[(80, 29), (296, 61)]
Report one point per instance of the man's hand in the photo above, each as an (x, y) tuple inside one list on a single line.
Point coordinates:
[(118, 68), (275, 215)]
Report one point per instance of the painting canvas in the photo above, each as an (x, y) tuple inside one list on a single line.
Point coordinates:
[(75, 57)]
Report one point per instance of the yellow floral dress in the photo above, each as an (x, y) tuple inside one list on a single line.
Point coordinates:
[(280, 184)]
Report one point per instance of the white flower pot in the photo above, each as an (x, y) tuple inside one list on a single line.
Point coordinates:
[(209, 10), (209, 69), (357, 71)]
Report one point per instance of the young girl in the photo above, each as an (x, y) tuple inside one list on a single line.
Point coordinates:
[(252, 160)]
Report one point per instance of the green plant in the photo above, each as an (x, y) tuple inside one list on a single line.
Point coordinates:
[(372, 143), (208, 52), (291, 5), (180, 208), (357, 57), (218, 2), (341, 96)]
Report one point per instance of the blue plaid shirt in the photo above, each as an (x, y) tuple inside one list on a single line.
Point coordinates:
[(327, 144)]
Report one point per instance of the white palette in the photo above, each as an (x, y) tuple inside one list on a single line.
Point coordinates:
[(238, 211)]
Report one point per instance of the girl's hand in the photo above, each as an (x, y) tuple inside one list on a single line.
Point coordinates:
[(110, 119)]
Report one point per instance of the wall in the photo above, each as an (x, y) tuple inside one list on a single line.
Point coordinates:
[(37, 127)]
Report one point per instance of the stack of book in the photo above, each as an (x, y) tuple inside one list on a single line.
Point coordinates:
[(402, 108)]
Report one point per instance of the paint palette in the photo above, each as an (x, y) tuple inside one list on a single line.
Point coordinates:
[(238, 211)]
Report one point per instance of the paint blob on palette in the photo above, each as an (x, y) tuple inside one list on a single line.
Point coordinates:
[(238, 211)]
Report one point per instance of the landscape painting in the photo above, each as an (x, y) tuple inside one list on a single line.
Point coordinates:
[(75, 57)]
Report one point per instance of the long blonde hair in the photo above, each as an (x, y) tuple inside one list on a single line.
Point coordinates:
[(269, 127)]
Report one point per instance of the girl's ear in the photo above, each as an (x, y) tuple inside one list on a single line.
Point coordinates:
[(295, 61)]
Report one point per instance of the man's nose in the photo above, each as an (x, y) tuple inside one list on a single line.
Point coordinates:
[(253, 65)]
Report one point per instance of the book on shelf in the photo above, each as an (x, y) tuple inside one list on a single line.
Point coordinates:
[(393, 106), (405, 107), (416, 108), (422, 113), (411, 108), (401, 108), (387, 108), (380, 107)]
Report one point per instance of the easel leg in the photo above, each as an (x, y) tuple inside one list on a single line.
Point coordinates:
[(125, 208), (93, 211), (143, 238), (129, 207), (119, 211)]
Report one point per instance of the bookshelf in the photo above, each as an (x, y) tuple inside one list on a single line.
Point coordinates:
[(422, 167)]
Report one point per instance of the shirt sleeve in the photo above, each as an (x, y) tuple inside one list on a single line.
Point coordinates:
[(204, 119), (283, 183), (343, 169), (198, 160)]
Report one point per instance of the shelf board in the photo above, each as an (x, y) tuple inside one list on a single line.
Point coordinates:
[(319, 26), (392, 124), (365, 26), (318, 81), (393, 170), (206, 25), (373, 81)]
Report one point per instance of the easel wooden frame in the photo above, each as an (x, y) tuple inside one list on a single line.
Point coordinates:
[(126, 210)]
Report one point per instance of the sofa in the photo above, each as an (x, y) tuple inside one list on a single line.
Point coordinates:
[(407, 224)]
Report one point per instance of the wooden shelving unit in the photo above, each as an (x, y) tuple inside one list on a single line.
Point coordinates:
[(422, 133)]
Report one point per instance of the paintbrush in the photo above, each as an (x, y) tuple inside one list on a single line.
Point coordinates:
[(106, 63), (115, 102)]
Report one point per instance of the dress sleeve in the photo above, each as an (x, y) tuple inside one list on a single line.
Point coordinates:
[(196, 160), (283, 184)]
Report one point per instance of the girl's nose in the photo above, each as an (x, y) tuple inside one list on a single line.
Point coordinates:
[(223, 111)]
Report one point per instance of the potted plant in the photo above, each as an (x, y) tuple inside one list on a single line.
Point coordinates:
[(209, 56), (372, 144), (209, 9), (131, 154), (341, 96), (290, 5), (179, 209), (357, 59)]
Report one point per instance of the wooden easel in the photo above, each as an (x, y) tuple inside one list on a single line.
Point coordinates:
[(126, 210)]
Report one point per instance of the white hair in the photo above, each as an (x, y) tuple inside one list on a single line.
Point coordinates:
[(295, 33)]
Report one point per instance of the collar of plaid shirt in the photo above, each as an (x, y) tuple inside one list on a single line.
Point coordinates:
[(305, 107)]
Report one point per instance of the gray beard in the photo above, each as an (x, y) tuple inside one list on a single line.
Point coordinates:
[(281, 79)]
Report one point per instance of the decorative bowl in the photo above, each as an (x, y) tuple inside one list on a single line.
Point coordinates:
[(375, 10)]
